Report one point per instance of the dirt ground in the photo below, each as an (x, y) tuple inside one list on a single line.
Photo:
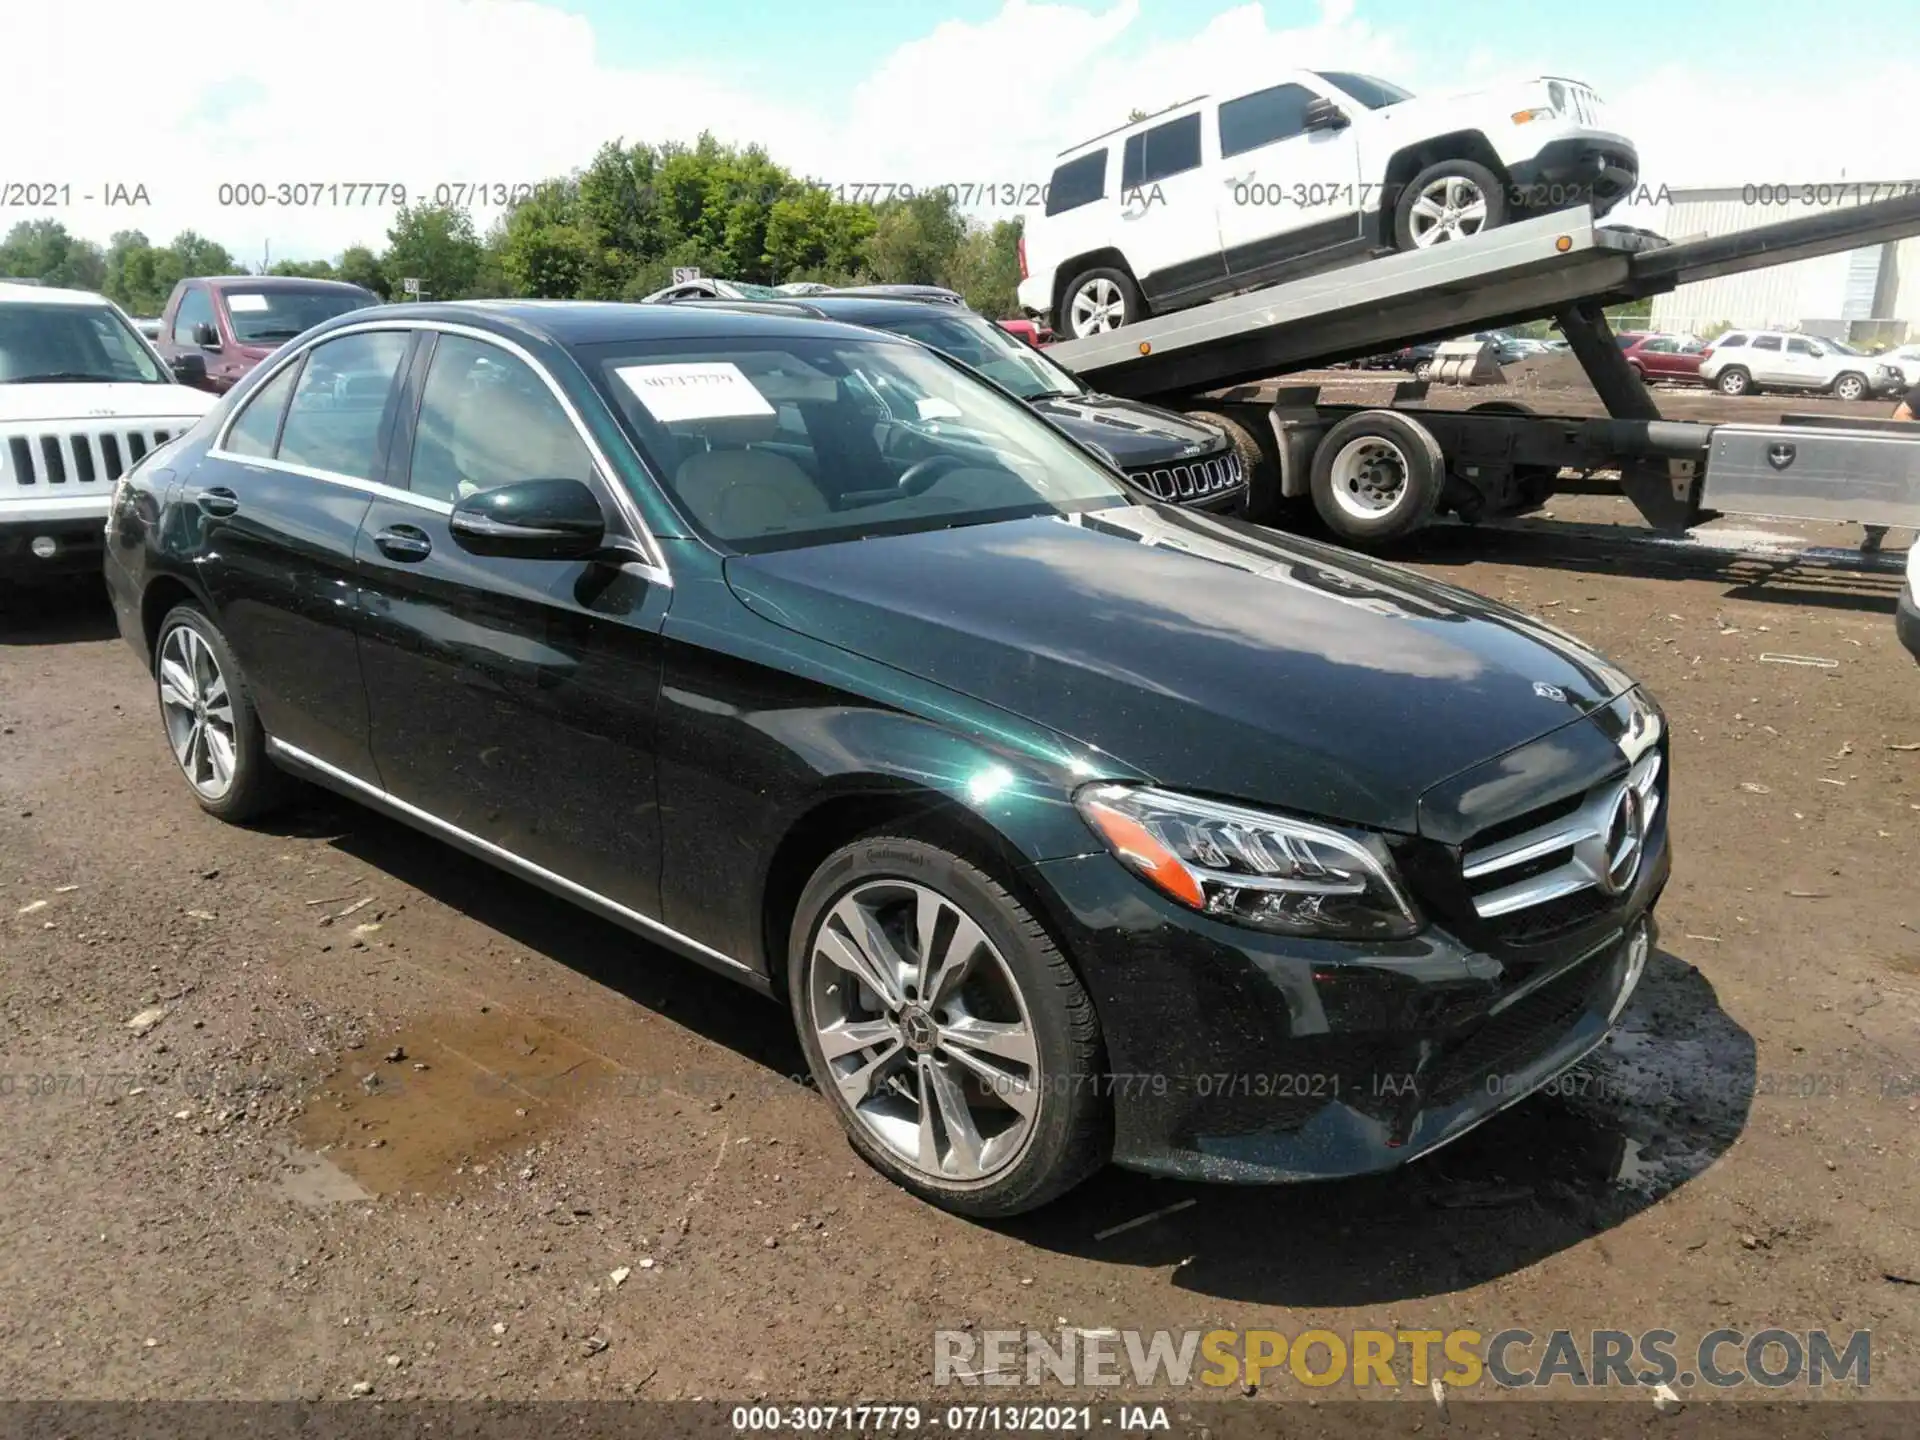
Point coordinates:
[(390, 1119)]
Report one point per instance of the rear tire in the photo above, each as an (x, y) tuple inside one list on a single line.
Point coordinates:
[(1734, 380), (1263, 483), (212, 727), (1377, 478), (1105, 299), (980, 1131)]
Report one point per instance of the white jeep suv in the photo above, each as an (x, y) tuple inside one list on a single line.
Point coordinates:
[(83, 399), (1743, 362), (1217, 195)]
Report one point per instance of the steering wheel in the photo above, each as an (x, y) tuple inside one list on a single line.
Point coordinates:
[(923, 475)]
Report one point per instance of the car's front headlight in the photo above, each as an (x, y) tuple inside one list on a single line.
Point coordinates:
[(1251, 866)]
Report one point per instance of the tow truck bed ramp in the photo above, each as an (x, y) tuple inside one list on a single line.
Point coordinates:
[(1518, 272)]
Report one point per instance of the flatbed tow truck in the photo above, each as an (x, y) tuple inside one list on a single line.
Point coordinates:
[(1378, 473)]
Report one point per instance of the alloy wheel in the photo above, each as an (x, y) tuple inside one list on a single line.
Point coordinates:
[(924, 1030), (1369, 477), (1098, 306), (1449, 208), (198, 710)]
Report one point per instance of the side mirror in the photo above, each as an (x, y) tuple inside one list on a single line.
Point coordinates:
[(1324, 114), (205, 336), (531, 520), (188, 368)]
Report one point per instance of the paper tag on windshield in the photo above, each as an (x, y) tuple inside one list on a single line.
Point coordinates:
[(932, 407), (706, 390), (241, 304)]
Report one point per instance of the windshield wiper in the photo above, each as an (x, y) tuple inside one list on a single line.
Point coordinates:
[(64, 376), (1055, 395)]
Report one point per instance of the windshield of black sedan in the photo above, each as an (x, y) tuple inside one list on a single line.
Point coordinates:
[(765, 443), (53, 343), (266, 317), (1007, 361)]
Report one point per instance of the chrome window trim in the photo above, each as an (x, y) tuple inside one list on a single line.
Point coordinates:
[(654, 568), (506, 857)]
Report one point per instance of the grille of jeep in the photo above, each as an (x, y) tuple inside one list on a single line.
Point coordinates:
[(1196, 480)]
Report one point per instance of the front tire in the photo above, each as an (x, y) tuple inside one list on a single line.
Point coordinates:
[(1449, 200), (1096, 301), (212, 727), (1851, 386), (958, 1047)]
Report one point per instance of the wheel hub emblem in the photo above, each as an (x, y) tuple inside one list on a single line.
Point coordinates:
[(918, 1029)]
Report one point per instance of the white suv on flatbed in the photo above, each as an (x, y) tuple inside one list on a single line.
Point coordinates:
[(1217, 195), (83, 398)]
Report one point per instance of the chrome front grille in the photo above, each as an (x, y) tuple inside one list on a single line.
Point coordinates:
[(1595, 845), (1197, 480), (78, 457)]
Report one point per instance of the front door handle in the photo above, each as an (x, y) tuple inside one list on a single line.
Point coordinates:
[(218, 501), (404, 543)]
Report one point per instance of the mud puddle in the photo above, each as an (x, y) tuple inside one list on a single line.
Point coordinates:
[(415, 1111)]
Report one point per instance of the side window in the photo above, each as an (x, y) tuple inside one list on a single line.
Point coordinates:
[(196, 308), (1263, 117), (1766, 342), (486, 419), (1078, 182), (1728, 342), (340, 402), (1168, 149), (258, 425), (1799, 347), (1659, 347)]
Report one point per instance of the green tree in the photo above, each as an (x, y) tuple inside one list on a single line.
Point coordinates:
[(304, 269), (914, 241), (435, 244), (985, 268), (43, 250), (360, 266), (197, 255)]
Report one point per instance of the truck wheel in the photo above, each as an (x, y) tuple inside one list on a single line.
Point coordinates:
[(1850, 386), (1377, 477), (1734, 381), (947, 1030), (1096, 301), (1448, 201)]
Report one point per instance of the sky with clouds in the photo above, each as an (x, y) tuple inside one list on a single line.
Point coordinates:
[(181, 98)]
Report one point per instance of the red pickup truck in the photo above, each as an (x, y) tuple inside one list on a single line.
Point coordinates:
[(236, 321)]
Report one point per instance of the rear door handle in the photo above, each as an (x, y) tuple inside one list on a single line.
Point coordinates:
[(218, 501), (403, 543)]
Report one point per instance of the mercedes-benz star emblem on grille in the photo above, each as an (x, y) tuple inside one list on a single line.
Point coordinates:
[(1626, 836), (1548, 692), (1780, 455)]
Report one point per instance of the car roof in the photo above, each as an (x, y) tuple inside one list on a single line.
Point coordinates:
[(865, 308), (1127, 129), (13, 290), (590, 322), (276, 282)]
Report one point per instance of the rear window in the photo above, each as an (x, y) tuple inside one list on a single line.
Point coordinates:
[(1078, 182), (1766, 342), (1169, 149), (1728, 342)]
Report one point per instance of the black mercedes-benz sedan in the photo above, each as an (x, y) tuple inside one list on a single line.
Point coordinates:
[(1071, 827), (1183, 459)]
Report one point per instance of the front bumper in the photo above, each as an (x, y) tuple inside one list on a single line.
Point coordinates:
[(1596, 170), (1035, 294), (77, 540), (1906, 621), (1237, 1055)]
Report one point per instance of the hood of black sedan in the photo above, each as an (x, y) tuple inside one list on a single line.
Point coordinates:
[(1135, 435), (1217, 658)]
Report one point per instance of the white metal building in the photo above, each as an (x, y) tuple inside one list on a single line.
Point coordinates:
[(1866, 294)]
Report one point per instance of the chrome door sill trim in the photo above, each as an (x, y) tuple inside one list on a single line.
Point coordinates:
[(527, 869)]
